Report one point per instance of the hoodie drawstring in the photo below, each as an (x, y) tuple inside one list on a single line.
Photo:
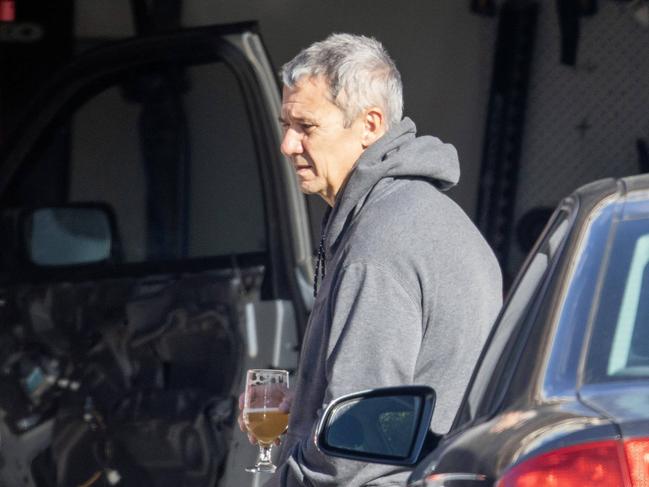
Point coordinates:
[(320, 264)]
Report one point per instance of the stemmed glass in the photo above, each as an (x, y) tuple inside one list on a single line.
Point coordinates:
[(266, 390)]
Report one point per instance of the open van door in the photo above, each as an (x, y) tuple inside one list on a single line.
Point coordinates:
[(124, 330)]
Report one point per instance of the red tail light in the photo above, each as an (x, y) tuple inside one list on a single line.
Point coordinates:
[(7, 11), (598, 464), (637, 456)]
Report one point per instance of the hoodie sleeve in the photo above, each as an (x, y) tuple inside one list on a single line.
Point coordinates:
[(374, 341)]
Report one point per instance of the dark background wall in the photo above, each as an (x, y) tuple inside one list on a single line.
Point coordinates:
[(443, 51), (579, 120)]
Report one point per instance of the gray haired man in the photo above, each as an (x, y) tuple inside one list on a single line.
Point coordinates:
[(407, 289)]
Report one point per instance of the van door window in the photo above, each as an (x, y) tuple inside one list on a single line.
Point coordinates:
[(171, 150)]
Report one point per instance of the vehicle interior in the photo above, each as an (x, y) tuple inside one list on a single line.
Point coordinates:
[(125, 354)]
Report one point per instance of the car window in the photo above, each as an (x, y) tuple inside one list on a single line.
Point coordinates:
[(619, 346), (171, 150), (514, 311)]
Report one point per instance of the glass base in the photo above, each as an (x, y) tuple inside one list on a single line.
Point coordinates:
[(264, 461), (262, 468)]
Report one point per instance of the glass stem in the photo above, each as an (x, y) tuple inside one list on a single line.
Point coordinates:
[(264, 453)]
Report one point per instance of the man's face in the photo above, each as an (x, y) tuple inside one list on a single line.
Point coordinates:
[(322, 149)]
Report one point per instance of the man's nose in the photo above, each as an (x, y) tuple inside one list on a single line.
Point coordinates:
[(291, 143)]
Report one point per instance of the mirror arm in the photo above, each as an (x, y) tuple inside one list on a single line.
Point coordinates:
[(431, 440)]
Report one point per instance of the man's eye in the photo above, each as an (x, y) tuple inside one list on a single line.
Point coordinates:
[(306, 126)]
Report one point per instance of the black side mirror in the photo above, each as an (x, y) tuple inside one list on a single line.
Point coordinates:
[(386, 425), (70, 235)]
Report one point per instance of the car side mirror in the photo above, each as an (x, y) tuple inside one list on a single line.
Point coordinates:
[(386, 425), (71, 235)]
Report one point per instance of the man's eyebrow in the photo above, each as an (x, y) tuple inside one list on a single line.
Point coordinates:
[(296, 119)]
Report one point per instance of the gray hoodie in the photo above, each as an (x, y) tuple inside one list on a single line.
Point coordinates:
[(410, 293)]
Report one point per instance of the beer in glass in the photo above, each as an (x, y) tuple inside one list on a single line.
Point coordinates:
[(264, 418)]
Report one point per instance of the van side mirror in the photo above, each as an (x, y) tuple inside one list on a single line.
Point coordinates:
[(386, 425), (71, 235)]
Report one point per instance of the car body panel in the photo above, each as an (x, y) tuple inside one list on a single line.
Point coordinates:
[(490, 447), (623, 403)]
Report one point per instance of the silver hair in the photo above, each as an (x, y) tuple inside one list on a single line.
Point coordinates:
[(358, 70)]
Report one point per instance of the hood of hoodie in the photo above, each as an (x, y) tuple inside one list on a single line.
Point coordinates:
[(399, 153)]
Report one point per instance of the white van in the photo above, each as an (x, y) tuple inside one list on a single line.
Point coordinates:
[(154, 245)]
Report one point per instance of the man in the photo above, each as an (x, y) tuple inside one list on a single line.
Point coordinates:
[(407, 289)]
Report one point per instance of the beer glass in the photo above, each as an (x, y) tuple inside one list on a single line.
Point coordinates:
[(262, 415)]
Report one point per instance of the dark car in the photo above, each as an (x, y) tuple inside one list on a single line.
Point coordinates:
[(560, 396)]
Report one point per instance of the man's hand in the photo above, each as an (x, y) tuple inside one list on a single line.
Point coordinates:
[(284, 406), (287, 402), (242, 424)]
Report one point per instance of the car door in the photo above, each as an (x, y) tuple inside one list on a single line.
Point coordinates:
[(177, 136)]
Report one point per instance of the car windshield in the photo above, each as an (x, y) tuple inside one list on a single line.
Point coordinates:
[(619, 347)]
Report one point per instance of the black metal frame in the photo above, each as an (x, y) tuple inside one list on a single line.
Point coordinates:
[(505, 123)]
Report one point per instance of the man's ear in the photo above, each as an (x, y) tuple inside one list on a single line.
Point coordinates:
[(374, 126)]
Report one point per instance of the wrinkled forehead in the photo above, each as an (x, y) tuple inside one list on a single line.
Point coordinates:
[(309, 94)]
